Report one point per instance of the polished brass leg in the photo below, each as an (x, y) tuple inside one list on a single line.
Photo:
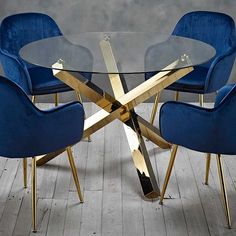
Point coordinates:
[(208, 163), (132, 129), (56, 99), (74, 173), (223, 189), (168, 172), (81, 101), (25, 172), (201, 100), (177, 96), (34, 194), (154, 108), (33, 99)]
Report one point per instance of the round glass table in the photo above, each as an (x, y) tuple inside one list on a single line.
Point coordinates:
[(74, 58)]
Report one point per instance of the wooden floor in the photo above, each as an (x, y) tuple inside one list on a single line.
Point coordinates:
[(113, 198)]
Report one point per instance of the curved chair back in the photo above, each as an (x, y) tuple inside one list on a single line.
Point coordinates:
[(218, 30), (16, 70), (18, 30), (225, 115), (214, 28)]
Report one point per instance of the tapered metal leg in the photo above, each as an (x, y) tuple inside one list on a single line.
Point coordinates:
[(56, 99), (154, 108), (168, 172), (208, 163), (201, 100), (79, 97), (223, 190), (74, 173), (25, 172), (34, 194), (33, 99), (81, 101), (177, 96)]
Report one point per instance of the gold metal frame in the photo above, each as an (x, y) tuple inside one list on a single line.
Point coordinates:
[(56, 99), (79, 98), (168, 172), (176, 96), (74, 173), (154, 108), (223, 190), (122, 107), (131, 127), (201, 100), (34, 194), (24, 162), (208, 163), (33, 99)]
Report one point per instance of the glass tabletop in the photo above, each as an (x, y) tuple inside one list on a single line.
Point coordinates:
[(133, 52)]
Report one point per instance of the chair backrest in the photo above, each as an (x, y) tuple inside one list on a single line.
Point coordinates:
[(214, 28), (16, 70), (218, 30), (17, 31), (16, 112), (225, 120), (21, 29)]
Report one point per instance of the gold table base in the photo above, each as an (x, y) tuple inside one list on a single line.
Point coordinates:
[(121, 107)]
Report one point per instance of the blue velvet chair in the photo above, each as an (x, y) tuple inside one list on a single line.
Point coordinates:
[(203, 130), (216, 29), (26, 131), (15, 32)]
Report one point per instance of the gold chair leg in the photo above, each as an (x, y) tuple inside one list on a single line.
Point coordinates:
[(56, 99), (34, 194), (154, 108), (81, 101), (33, 99), (25, 172), (201, 100), (208, 163), (177, 96), (223, 190), (79, 97), (168, 172), (74, 173)]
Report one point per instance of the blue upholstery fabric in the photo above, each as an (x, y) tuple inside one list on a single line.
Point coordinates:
[(16, 71), (45, 82), (21, 29), (26, 131), (17, 31), (201, 129), (218, 30)]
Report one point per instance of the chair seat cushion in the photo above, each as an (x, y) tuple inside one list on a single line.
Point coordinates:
[(193, 82), (44, 82)]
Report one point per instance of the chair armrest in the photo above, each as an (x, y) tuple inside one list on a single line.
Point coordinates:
[(26, 131), (187, 125), (15, 70), (58, 127), (222, 93), (220, 70)]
